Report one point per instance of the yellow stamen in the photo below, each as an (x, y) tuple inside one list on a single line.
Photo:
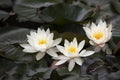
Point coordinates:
[(42, 42), (72, 50), (98, 35)]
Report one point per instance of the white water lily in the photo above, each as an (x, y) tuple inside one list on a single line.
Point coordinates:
[(99, 35), (72, 51), (41, 41)]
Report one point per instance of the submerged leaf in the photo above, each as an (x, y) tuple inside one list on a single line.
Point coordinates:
[(63, 71), (5, 3), (4, 15), (114, 75)]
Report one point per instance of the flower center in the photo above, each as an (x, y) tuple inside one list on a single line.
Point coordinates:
[(72, 50), (98, 35), (42, 42)]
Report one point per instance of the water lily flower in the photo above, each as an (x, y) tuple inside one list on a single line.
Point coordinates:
[(98, 34), (41, 41), (72, 52)]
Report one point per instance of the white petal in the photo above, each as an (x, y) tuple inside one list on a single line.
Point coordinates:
[(75, 42), (61, 57), (61, 61), (40, 55), (32, 33), (28, 48), (105, 37), (71, 65), (43, 31), (52, 53), (110, 27), (48, 31), (61, 49), (102, 24), (100, 21), (31, 42), (39, 30), (56, 42), (86, 53), (101, 41), (41, 48), (51, 36), (93, 26), (79, 61), (88, 32), (92, 43), (82, 52), (66, 43), (109, 36), (81, 45), (71, 54), (109, 32), (88, 25), (55, 49), (29, 37)]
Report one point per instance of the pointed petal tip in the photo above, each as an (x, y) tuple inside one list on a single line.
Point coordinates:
[(74, 38), (23, 45), (66, 40), (81, 45), (71, 65), (61, 62), (59, 40), (83, 41), (93, 24), (85, 53), (85, 28), (48, 29), (39, 56), (53, 54), (100, 20), (79, 61), (92, 43), (69, 70), (110, 27)]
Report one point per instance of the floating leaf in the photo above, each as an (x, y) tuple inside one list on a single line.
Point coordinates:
[(116, 26), (69, 12), (38, 3), (116, 5), (28, 10), (10, 40)]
